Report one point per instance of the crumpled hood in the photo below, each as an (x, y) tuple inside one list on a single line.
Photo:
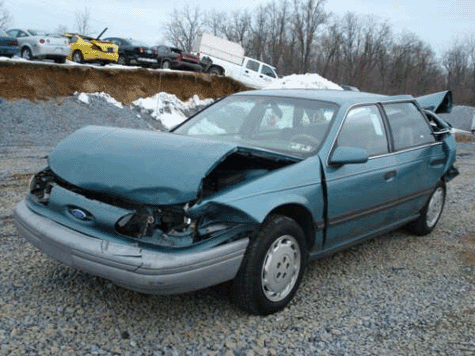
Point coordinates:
[(144, 166)]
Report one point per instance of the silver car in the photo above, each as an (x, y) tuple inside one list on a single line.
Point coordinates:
[(38, 44)]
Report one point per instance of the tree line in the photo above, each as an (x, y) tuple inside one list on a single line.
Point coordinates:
[(300, 36)]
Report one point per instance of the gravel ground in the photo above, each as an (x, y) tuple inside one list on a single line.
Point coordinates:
[(395, 295)]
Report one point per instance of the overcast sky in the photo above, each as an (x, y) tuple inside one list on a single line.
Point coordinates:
[(437, 22)]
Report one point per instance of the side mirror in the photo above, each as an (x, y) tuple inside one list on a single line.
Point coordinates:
[(348, 155)]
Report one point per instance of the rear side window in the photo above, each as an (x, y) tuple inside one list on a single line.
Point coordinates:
[(364, 128), (252, 65), (408, 126)]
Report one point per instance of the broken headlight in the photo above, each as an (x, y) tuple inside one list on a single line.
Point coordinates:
[(41, 185)]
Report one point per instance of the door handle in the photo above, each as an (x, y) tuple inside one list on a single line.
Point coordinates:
[(437, 162), (389, 175)]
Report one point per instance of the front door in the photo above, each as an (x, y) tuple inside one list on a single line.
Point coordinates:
[(361, 196)]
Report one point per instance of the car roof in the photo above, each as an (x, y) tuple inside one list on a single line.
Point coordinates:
[(339, 97)]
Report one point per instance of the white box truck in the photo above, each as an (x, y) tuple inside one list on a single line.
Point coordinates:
[(223, 57)]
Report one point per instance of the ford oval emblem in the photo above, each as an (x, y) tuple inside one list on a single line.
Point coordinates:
[(80, 214)]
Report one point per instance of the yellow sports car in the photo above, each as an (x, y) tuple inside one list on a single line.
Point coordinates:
[(89, 49)]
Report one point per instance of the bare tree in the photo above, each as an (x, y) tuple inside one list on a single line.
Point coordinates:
[(308, 16), (184, 26), (61, 29), (216, 23), (279, 32), (5, 17), (83, 22), (259, 34)]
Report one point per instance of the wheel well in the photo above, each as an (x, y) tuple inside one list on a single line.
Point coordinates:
[(302, 217), (219, 68)]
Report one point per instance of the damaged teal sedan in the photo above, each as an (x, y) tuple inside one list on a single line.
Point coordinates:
[(247, 190)]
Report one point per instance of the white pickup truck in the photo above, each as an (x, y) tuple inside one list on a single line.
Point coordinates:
[(223, 57)]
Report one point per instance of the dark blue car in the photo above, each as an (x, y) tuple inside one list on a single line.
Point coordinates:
[(8, 45), (248, 190)]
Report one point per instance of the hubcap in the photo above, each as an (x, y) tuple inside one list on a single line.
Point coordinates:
[(434, 209), (281, 268), (77, 57), (26, 54)]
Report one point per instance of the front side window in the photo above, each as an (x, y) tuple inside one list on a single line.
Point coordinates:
[(288, 125), (266, 70), (363, 128), (408, 126)]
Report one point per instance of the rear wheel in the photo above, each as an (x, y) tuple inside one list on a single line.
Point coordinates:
[(123, 60), (431, 212), (272, 267), (166, 64), (215, 71), (26, 53), (78, 57)]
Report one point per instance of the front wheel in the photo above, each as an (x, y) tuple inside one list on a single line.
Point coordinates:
[(272, 267), (431, 212)]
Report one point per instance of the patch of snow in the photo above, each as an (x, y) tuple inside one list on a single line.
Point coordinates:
[(169, 109), (83, 97), (303, 81)]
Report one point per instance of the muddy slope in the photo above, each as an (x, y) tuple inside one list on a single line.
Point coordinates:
[(33, 80)]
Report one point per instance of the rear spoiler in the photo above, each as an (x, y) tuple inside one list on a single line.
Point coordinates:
[(439, 103)]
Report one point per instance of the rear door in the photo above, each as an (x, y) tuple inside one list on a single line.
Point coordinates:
[(361, 196), (419, 156)]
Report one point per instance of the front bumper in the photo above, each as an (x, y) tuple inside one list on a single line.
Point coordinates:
[(143, 270)]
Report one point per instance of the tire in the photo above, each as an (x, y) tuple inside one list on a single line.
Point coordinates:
[(78, 57), (60, 60), (26, 53), (166, 64), (215, 71), (431, 212), (123, 60), (272, 268)]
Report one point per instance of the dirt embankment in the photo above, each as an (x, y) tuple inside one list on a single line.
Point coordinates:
[(44, 80)]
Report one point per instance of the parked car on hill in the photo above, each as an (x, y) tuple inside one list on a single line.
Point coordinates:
[(90, 49), (134, 52), (8, 44), (247, 190), (223, 57), (38, 44), (175, 58)]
